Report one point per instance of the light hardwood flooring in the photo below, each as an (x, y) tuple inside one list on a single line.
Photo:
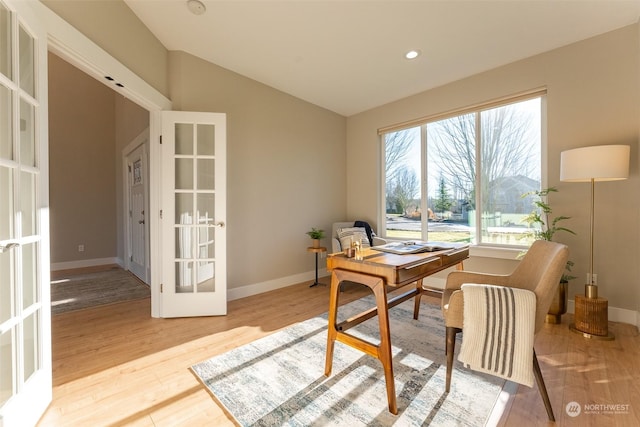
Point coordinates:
[(116, 366)]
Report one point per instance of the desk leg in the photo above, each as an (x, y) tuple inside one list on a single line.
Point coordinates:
[(332, 332), (416, 304), (416, 307), (382, 351)]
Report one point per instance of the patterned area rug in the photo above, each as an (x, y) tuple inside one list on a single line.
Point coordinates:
[(279, 379), (75, 292)]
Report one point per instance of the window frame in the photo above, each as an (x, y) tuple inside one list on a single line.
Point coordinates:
[(480, 248)]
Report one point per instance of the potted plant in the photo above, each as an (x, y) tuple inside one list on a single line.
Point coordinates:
[(544, 228), (316, 235)]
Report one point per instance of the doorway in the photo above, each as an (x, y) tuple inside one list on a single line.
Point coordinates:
[(91, 126)]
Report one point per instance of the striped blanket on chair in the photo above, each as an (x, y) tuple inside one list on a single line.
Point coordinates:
[(498, 331)]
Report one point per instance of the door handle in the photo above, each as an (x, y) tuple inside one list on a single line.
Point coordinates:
[(141, 221), (10, 245), (219, 224)]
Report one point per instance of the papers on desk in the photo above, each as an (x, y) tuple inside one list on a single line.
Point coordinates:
[(414, 247)]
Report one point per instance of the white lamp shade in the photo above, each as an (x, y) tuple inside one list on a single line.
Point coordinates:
[(600, 163)]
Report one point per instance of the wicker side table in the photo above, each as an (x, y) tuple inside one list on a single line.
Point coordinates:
[(591, 318)]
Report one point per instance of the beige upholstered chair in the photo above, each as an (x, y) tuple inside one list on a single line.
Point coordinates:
[(335, 241), (539, 271)]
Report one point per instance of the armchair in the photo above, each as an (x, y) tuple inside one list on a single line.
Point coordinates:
[(335, 240), (539, 271)]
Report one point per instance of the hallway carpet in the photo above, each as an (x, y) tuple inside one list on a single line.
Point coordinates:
[(78, 290)]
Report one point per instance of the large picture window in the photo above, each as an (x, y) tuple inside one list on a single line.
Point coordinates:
[(463, 178)]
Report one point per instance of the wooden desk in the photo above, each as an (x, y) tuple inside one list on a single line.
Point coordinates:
[(377, 270)]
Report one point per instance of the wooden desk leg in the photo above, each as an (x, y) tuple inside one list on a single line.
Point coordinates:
[(384, 351), (332, 332), (416, 306)]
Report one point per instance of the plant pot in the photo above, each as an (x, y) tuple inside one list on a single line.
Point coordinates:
[(558, 304), (315, 243)]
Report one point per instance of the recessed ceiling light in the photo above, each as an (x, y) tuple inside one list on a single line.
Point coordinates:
[(412, 54), (196, 7)]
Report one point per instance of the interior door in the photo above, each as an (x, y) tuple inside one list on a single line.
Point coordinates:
[(137, 196), (193, 214), (25, 301)]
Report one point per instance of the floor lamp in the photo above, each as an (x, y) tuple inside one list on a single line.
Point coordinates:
[(591, 164)]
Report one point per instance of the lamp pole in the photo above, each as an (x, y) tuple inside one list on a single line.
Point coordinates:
[(590, 289)]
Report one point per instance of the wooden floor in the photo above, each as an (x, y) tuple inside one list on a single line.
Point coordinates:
[(116, 366)]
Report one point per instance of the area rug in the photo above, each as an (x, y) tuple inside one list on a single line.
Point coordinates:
[(279, 379), (79, 291)]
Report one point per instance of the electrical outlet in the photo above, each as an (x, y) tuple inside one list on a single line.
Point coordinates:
[(80, 248)]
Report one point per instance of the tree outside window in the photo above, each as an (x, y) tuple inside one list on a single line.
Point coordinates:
[(478, 165)]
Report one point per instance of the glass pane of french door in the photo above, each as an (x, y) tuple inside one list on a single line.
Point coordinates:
[(5, 42), (27, 70), (6, 128), (194, 214)]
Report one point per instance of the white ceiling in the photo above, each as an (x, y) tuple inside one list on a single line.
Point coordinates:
[(348, 56)]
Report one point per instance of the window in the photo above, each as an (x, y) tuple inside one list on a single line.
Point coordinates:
[(462, 178)]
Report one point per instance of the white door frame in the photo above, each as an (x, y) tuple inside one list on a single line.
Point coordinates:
[(141, 140), (74, 47)]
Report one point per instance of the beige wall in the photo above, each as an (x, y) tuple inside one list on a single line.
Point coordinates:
[(89, 125), (82, 165), (116, 29), (593, 99), (285, 168)]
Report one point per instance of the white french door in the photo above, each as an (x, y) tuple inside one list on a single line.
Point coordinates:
[(25, 312), (193, 214)]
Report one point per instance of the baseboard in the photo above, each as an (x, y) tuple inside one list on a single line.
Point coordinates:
[(68, 265), (615, 314), (270, 285)]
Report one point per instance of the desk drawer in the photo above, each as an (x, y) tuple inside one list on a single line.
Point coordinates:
[(455, 257), (414, 272)]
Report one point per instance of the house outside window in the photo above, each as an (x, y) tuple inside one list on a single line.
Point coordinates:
[(462, 177)]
